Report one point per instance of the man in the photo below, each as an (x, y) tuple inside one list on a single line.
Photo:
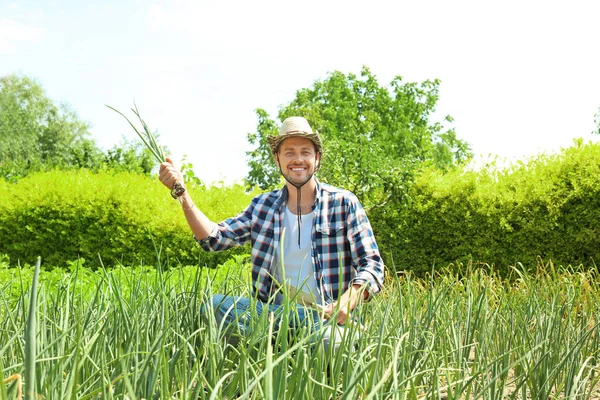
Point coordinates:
[(310, 240)]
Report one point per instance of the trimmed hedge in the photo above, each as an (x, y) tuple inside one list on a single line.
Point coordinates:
[(548, 207), (120, 217)]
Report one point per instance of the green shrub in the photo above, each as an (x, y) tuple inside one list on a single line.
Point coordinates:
[(120, 217), (548, 207)]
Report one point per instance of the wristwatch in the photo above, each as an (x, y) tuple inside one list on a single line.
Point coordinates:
[(178, 190)]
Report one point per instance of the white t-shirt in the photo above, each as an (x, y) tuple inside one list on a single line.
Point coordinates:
[(298, 270)]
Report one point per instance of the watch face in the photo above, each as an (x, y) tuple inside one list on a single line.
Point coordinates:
[(178, 190)]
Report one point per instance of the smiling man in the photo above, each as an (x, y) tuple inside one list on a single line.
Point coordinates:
[(310, 240)]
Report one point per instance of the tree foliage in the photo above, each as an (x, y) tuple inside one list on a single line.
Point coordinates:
[(597, 122), (375, 138), (130, 156), (263, 171), (35, 132)]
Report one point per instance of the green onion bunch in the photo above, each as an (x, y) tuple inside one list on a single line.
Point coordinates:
[(150, 141), (146, 136)]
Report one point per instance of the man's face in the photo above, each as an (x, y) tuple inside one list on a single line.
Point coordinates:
[(297, 159)]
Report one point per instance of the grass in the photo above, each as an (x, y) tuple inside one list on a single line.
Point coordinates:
[(137, 333)]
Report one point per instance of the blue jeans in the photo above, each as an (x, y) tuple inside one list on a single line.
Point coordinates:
[(235, 316), (232, 311)]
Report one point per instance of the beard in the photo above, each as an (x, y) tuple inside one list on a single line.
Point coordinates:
[(300, 177)]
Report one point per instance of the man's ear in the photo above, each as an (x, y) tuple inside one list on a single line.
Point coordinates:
[(318, 161), (276, 156)]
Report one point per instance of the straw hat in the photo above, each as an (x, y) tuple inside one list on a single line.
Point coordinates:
[(295, 127)]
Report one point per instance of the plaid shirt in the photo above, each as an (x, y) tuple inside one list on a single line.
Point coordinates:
[(343, 249)]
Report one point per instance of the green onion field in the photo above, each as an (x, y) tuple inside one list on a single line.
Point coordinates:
[(136, 333)]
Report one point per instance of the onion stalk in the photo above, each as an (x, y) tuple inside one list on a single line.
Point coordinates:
[(150, 141)]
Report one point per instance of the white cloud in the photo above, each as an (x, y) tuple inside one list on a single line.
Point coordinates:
[(14, 33)]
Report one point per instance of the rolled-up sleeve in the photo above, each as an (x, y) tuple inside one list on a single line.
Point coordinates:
[(229, 233), (364, 250)]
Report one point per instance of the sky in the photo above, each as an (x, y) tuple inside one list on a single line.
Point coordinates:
[(519, 77)]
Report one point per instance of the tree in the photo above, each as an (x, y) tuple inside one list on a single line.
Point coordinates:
[(36, 133), (375, 139), (132, 156), (597, 122), (263, 171)]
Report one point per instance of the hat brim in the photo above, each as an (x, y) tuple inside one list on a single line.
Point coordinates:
[(275, 141)]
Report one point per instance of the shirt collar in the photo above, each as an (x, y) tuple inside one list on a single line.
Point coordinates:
[(282, 196)]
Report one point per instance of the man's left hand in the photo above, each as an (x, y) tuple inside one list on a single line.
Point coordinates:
[(349, 300)]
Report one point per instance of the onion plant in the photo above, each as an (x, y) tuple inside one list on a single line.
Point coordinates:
[(151, 143), (139, 333)]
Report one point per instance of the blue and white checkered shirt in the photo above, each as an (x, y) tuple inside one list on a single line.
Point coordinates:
[(344, 251)]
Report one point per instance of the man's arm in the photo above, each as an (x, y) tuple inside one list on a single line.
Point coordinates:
[(364, 251), (199, 223), (364, 254)]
